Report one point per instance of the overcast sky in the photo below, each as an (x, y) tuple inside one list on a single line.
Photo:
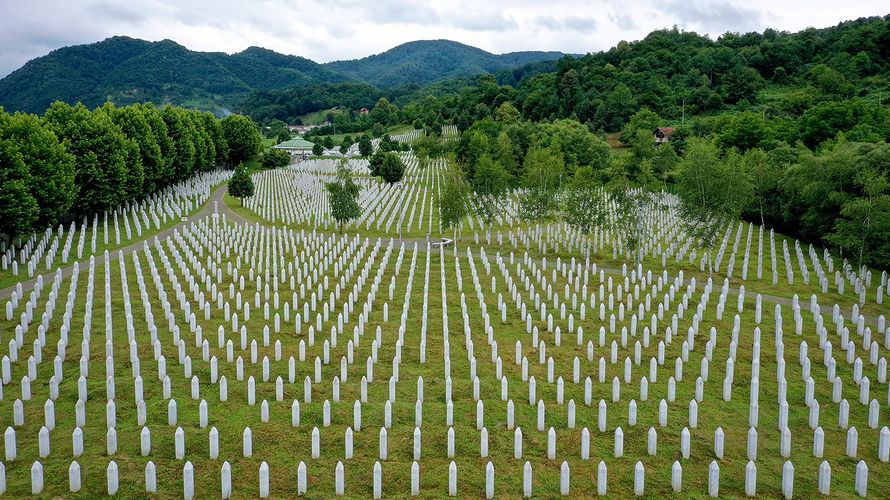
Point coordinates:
[(327, 30)]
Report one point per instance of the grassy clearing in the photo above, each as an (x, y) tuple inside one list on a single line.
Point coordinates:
[(318, 117), (338, 138)]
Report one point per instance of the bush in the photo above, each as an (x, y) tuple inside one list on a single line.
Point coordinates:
[(275, 158)]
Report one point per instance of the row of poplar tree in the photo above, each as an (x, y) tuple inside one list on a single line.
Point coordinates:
[(75, 161)]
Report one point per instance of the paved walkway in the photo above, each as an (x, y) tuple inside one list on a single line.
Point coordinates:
[(205, 211)]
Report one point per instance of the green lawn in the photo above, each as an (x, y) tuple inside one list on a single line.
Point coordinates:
[(427, 285), (283, 446), (317, 117)]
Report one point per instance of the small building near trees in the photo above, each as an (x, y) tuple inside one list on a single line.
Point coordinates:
[(663, 134), (296, 147)]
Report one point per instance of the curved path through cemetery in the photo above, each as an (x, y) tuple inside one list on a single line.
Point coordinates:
[(205, 211)]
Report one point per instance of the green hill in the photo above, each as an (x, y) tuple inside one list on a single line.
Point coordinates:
[(126, 70), (426, 61)]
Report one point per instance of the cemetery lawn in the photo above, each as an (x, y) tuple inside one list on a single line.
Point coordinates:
[(293, 269), (7, 279), (282, 446)]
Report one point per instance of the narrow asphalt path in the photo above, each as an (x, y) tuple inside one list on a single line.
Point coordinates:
[(206, 211)]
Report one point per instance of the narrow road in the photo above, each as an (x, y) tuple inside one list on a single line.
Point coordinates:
[(206, 211)]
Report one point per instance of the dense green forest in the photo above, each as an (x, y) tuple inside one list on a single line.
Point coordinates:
[(425, 61), (289, 104), (779, 75), (125, 70), (797, 125), (77, 161)]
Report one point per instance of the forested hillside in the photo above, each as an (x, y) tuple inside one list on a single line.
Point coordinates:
[(426, 61), (672, 72), (125, 70), (796, 123)]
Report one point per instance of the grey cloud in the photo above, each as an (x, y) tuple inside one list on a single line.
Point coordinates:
[(570, 23), (481, 21), (580, 23), (395, 11), (30, 34), (118, 11), (713, 16), (623, 21)]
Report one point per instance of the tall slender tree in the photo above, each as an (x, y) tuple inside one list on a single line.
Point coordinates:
[(343, 196), (183, 144), (100, 155), (491, 182), (18, 208), (50, 167), (713, 192)]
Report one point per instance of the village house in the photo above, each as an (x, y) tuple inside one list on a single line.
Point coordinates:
[(663, 134)]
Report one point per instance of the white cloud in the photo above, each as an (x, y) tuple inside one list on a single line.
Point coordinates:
[(325, 30)]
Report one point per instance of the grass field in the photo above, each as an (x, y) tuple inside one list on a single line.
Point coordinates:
[(198, 198), (364, 272), (317, 117)]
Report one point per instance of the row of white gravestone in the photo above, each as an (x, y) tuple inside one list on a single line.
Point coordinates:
[(10, 437), (173, 202), (858, 281), (75, 480), (800, 259), (49, 411), (275, 198), (180, 359)]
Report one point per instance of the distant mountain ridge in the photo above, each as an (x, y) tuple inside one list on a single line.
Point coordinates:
[(126, 70), (426, 61)]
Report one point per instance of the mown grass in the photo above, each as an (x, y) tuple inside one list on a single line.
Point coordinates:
[(283, 446), (8, 279)]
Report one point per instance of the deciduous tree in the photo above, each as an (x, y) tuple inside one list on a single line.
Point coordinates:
[(50, 167), (491, 184), (241, 184), (242, 137), (541, 176), (100, 154), (343, 196), (713, 192), (18, 208)]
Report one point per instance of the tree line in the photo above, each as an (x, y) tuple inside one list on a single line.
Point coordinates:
[(771, 86), (837, 195), (76, 161), (679, 74)]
